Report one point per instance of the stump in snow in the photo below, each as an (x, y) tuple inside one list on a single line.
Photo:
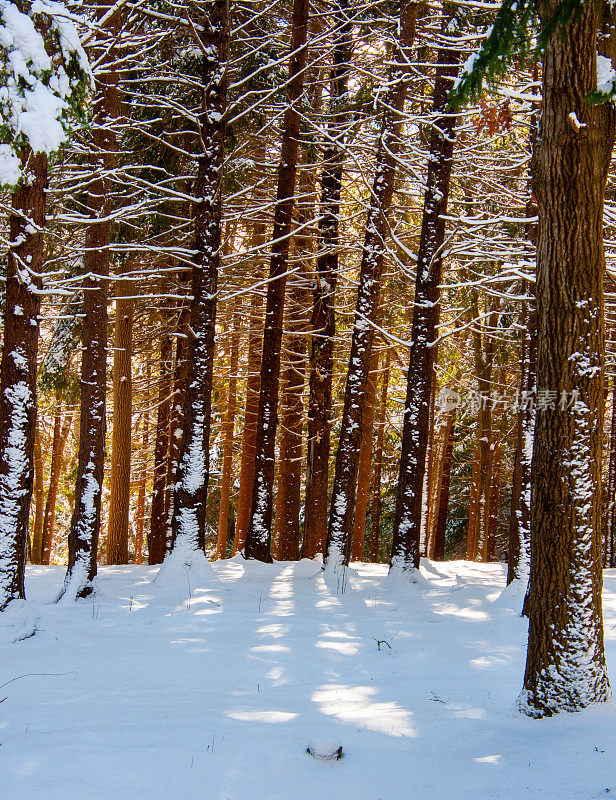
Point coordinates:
[(325, 749)]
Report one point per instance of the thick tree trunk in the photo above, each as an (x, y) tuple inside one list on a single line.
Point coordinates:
[(378, 462), (342, 506), (157, 532), (228, 427), (565, 665), (323, 311), (609, 538), (426, 310), (121, 445), (18, 373), (190, 493), (85, 523), (257, 543)]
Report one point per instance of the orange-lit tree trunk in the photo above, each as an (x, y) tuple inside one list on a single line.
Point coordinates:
[(61, 431), (228, 427), (378, 461), (36, 555), (140, 511)]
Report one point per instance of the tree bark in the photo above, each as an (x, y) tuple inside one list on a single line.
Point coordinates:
[(342, 506), (257, 543), (176, 421), (378, 462), (426, 310), (18, 372), (121, 445), (228, 427), (323, 311), (190, 495), (565, 665), (60, 435), (85, 523), (157, 532), (440, 530), (365, 465), (36, 554), (143, 478)]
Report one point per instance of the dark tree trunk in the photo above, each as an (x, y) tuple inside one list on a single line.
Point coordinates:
[(420, 381), (342, 506), (157, 535), (323, 311), (440, 528), (18, 372), (257, 543), (176, 421), (190, 494), (121, 445), (85, 523), (565, 665)]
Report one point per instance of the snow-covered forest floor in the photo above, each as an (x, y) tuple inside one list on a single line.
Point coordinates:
[(215, 691)]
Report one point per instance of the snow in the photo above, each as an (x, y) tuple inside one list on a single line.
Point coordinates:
[(606, 75), (34, 87), (216, 692)]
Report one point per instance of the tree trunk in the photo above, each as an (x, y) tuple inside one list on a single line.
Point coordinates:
[(345, 475), (565, 665), (365, 465), (378, 462), (121, 445), (85, 523), (440, 529), (157, 533), (140, 512), (18, 372), (36, 555), (60, 435), (258, 536), (190, 495), (176, 421), (609, 555), (228, 427), (251, 410), (426, 310), (519, 524), (323, 312)]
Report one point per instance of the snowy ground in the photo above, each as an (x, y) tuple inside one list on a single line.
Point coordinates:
[(185, 692)]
